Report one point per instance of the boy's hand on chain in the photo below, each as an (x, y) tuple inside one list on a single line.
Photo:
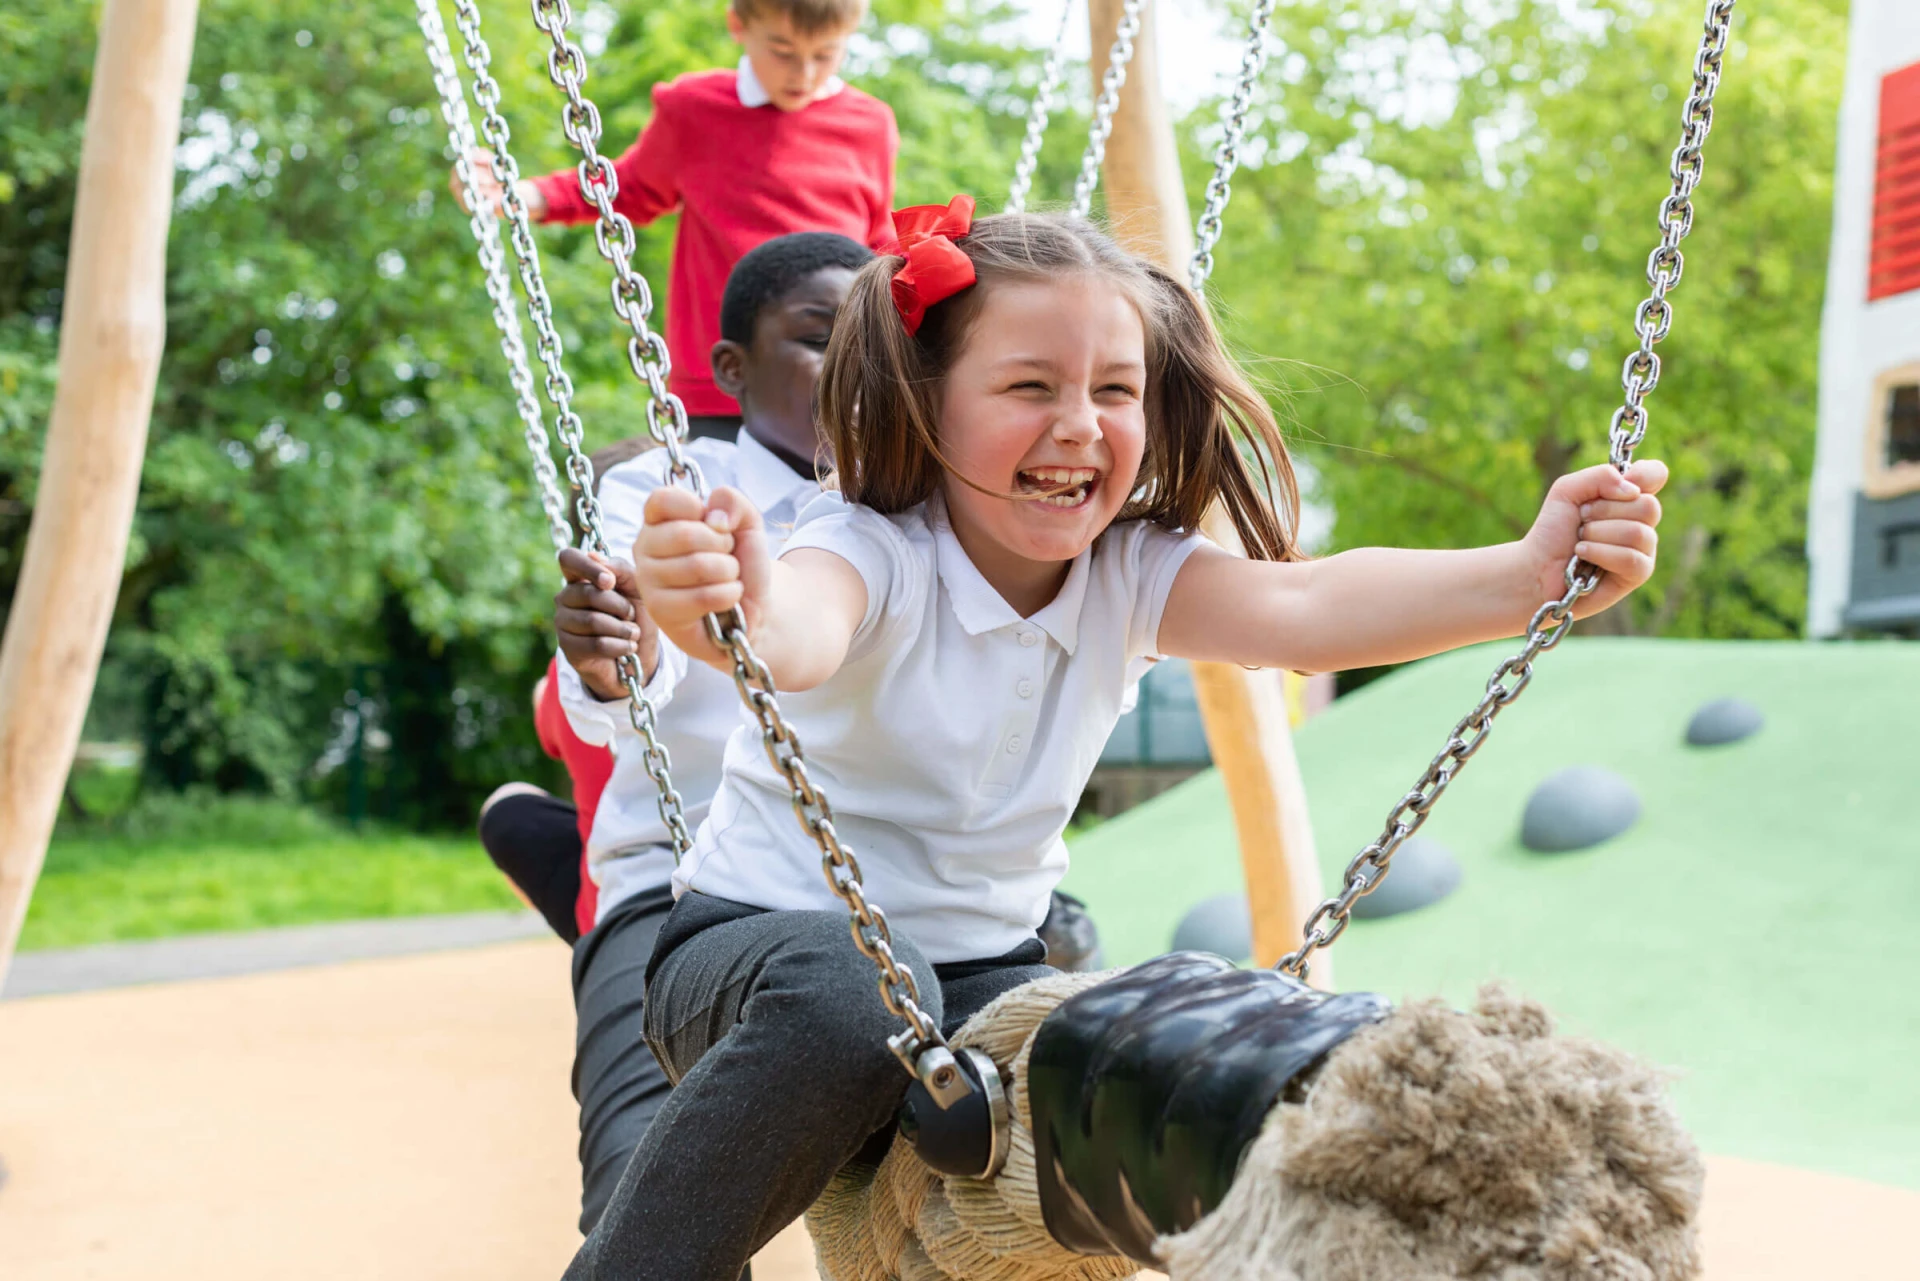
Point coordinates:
[(599, 620), (487, 186)]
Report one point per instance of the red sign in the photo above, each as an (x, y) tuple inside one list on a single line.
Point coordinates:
[(1895, 266)]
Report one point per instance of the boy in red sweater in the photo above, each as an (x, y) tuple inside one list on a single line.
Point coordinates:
[(777, 145)]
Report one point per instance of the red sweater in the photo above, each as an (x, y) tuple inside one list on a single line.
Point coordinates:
[(739, 176), (588, 766)]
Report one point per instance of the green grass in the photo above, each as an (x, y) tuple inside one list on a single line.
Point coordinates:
[(174, 865), (1756, 930)]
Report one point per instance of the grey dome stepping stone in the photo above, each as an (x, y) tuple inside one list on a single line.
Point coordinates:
[(1422, 872), (1724, 720), (1222, 924), (1579, 807)]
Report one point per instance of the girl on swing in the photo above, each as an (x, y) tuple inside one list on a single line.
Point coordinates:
[(1029, 424)]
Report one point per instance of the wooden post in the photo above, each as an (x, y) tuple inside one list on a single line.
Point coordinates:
[(1146, 198), (1245, 712), (111, 333)]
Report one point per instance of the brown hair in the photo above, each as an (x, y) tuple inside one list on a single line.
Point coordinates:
[(880, 387), (809, 17)]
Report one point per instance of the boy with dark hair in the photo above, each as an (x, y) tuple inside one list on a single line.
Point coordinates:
[(779, 144)]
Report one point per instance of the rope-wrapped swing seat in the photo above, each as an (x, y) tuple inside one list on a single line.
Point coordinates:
[(1217, 1123)]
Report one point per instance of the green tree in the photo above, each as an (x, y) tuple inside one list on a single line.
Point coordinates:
[(1442, 239)]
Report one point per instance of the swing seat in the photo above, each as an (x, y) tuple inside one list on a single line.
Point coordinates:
[(1226, 1125), (1147, 1090)]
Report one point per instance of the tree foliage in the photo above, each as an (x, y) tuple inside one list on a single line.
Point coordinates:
[(1442, 239)]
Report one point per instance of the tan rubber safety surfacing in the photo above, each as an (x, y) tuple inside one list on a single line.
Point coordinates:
[(410, 1117)]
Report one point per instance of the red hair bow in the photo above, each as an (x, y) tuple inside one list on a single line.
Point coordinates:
[(935, 269)]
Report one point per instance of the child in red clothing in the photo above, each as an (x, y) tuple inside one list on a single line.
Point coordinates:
[(778, 145), (538, 840)]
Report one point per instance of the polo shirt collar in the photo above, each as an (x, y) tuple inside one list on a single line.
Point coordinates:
[(765, 479), (754, 94), (980, 608)]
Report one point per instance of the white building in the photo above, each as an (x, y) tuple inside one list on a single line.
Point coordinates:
[(1863, 529)]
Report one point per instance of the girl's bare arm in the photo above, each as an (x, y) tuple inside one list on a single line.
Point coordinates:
[(1374, 606)]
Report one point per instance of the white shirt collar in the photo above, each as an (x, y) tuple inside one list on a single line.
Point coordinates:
[(754, 94), (767, 480), (981, 608)]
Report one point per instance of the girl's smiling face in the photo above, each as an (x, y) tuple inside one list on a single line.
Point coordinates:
[(1047, 395)]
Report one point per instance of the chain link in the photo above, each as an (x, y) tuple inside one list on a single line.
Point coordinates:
[(1104, 106), (486, 235), (920, 1046), (1037, 116), (1553, 620), (613, 235), (559, 389), (1226, 157)]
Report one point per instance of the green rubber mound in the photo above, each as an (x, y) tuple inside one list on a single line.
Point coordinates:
[(1758, 930)]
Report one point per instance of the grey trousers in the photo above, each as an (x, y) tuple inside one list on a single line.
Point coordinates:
[(772, 1027), (616, 1080)]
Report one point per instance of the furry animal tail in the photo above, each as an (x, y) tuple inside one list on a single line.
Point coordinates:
[(1441, 1145)]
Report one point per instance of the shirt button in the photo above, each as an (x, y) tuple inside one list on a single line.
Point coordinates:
[(1024, 689), (1013, 746), (1028, 639)]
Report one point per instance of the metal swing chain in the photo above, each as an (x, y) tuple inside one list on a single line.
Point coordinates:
[(486, 235), (920, 1046), (613, 234), (1552, 621), (559, 389), (1226, 157), (1037, 116), (1104, 106)]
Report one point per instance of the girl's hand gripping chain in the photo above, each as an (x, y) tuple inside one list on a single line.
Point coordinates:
[(695, 558), (1607, 520)]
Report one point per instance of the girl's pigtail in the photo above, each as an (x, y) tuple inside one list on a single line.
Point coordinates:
[(1212, 437), (872, 411)]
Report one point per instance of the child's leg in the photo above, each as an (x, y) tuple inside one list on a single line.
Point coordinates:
[(774, 1025), (534, 838), (616, 1079), (967, 987)]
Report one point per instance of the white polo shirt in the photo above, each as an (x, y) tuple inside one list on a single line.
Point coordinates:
[(955, 741), (698, 707)]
